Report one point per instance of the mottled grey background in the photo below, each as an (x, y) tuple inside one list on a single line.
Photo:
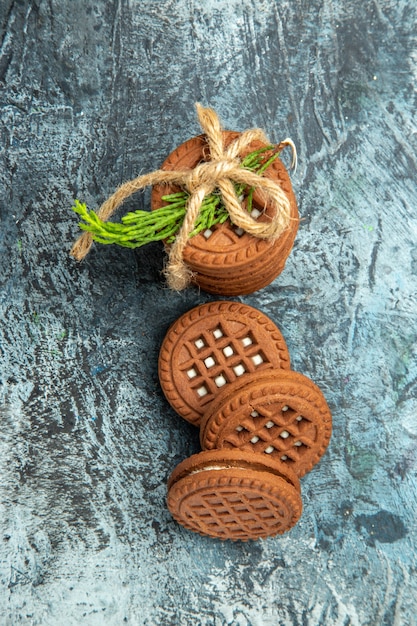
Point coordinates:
[(94, 93)]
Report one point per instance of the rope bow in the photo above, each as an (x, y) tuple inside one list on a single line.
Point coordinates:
[(219, 172)]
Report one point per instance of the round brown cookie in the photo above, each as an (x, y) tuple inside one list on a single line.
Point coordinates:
[(225, 251), (272, 257), (211, 346), (229, 494), (281, 414), (246, 282), (248, 276), (271, 375)]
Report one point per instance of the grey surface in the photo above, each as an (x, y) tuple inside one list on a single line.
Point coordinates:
[(93, 94)]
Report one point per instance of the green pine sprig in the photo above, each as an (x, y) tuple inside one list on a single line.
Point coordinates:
[(138, 228)]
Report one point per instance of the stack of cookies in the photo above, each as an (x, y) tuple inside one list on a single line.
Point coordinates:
[(224, 259), (225, 367)]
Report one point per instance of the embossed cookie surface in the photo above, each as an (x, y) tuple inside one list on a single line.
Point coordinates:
[(228, 495), (241, 284), (210, 347), (281, 414)]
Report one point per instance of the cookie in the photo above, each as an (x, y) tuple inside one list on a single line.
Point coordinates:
[(211, 346), (281, 414), (228, 494), (225, 252), (243, 285), (259, 275)]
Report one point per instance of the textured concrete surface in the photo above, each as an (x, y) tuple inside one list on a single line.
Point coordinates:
[(91, 94)]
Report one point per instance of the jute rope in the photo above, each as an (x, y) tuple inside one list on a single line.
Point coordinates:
[(218, 173)]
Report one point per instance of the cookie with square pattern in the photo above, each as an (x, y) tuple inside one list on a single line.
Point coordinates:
[(211, 346), (281, 414)]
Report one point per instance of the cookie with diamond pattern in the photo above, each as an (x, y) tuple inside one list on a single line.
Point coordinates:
[(280, 414), (211, 346), (228, 494)]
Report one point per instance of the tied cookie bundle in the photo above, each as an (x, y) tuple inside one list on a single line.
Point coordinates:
[(223, 205), (225, 367)]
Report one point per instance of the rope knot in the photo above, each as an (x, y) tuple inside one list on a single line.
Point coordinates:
[(209, 174)]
